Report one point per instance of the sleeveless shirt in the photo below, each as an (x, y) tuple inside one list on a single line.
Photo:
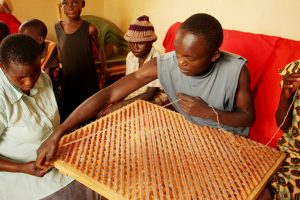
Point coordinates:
[(217, 88), (79, 72)]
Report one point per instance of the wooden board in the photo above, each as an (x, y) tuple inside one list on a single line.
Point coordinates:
[(144, 151)]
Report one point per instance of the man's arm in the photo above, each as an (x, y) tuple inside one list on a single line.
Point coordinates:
[(146, 96), (243, 114), (98, 53), (52, 65), (93, 33), (94, 104)]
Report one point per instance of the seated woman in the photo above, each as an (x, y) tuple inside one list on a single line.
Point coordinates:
[(28, 115), (285, 183)]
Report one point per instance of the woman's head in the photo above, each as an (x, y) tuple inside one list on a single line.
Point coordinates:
[(20, 61), (197, 44), (140, 36)]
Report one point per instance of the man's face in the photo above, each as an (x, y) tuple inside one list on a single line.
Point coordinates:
[(72, 8), (140, 49), (192, 52)]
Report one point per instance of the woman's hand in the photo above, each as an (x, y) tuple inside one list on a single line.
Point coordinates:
[(290, 84), (46, 153), (32, 169)]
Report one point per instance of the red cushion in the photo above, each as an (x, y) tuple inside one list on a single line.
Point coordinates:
[(170, 36), (265, 54), (12, 22)]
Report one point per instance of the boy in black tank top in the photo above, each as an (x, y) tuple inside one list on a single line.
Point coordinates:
[(75, 38)]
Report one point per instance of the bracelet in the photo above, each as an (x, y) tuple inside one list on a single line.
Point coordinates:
[(217, 114)]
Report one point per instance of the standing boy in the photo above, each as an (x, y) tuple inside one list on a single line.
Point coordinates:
[(75, 38)]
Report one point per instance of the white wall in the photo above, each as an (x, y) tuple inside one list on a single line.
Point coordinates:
[(47, 11), (272, 17)]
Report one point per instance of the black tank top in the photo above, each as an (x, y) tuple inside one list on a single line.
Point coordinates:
[(79, 72)]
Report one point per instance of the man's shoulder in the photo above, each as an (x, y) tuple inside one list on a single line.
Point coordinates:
[(167, 56), (44, 80), (229, 55), (57, 24)]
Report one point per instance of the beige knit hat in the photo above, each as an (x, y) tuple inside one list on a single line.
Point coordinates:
[(141, 30)]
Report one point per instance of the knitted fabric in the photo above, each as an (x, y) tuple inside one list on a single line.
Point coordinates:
[(141, 30)]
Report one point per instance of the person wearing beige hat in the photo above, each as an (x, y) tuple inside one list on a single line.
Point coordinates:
[(141, 36)]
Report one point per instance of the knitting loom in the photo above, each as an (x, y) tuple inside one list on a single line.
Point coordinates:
[(143, 151)]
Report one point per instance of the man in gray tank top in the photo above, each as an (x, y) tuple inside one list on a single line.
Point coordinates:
[(211, 87)]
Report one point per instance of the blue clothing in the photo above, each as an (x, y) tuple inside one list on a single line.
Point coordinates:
[(25, 122), (217, 88)]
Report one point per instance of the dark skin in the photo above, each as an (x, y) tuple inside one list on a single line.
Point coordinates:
[(23, 76), (193, 59), (147, 96), (72, 9), (51, 66), (290, 86), (141, 50)]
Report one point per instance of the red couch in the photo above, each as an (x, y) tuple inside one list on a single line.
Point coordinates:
[(12, 22), (265, 55)]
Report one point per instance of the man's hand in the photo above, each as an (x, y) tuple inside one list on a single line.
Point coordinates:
[(194, 106)]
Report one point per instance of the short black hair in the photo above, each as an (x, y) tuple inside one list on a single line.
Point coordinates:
[(37, 25), (4, 30), (18, 48), (207, 26)]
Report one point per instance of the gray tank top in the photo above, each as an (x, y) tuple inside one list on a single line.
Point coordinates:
[(217, 88)]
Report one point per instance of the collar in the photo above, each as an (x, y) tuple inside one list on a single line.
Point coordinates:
[(207, 73), (14, 94)]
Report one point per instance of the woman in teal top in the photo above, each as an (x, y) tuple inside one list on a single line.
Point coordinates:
[(28, 114)]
